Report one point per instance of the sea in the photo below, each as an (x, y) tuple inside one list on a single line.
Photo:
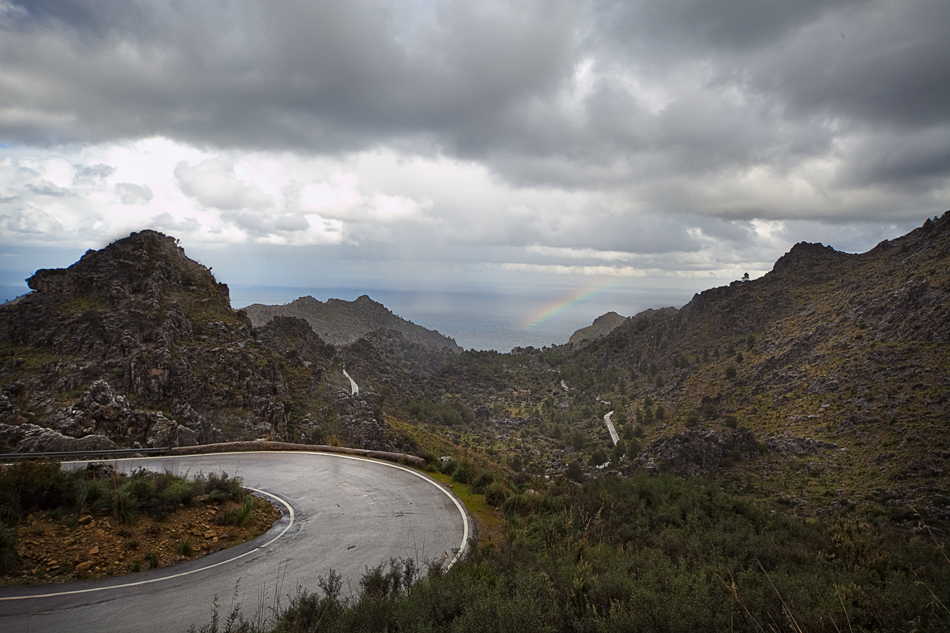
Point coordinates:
[(484, 318)]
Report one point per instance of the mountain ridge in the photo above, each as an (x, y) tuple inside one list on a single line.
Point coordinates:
[(341, 322)]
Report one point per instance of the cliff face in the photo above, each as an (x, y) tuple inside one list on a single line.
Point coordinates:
[(342, 322)]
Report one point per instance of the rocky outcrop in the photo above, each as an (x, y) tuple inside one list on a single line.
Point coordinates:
[(29, 438), (601, 327), (698, 453), (101, 418), (362, 423)]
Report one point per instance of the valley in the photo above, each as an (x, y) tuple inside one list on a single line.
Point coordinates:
[(819, 391)]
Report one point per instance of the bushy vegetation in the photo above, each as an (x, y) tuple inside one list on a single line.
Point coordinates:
[(649, 554), (30, 486), (75, 496)]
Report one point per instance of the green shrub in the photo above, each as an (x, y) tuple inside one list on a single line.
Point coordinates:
[(238, 515), (462, 474), (482, 482), (497, 493), (574, 471), (598, 457), (8, 543), (26, 485), (180, 492), (185, 548), (692, 418), (231, 489), (125, 506)]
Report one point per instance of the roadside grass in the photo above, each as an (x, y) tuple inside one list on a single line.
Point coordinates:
[(491, 526)]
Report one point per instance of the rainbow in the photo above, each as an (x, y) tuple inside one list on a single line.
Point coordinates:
[(565, 302)]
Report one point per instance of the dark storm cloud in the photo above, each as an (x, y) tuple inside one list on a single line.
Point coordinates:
[(314, 76), (662, 103)]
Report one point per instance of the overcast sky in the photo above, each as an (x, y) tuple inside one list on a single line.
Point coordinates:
[(410, 143)]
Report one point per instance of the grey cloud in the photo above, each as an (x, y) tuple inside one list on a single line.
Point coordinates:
[(291, 222), (46, 188), (130, 193), (913, 160), (92, 174)]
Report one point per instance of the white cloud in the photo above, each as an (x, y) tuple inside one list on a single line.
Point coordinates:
[(339, 197), (213, 183)]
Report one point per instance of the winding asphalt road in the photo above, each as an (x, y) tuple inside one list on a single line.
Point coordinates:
[(339, 512)]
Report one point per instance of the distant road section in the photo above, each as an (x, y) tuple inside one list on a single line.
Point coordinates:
[(339, 512), (354, 388), (611, 429)]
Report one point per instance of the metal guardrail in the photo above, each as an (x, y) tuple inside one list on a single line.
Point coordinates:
[(84, 454)]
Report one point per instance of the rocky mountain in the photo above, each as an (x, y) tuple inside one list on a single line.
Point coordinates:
[(136, 345), (342, 322), (601, 327)]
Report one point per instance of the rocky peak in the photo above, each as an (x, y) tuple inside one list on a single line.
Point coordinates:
[(806, 260), (144, 265), (601, 327)]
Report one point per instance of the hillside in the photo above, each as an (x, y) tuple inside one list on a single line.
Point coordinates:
[(342, 322), (824, 385)]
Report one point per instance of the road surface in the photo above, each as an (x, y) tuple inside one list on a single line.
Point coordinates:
[(611, 429), (354, 388), (339, 512)]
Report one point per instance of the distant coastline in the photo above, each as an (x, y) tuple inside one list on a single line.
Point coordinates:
[(478, 319)]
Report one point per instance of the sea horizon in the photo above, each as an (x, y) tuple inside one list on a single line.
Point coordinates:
[(497, 319)]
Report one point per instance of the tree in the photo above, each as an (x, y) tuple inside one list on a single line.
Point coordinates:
[(578, 439), (574, 471), (619, 450), (599, 457), (745, 276)]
